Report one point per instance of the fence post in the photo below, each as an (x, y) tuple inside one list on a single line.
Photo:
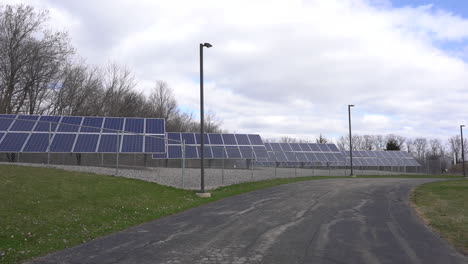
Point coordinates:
[(222, 169)]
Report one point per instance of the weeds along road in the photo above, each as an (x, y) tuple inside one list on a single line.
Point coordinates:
[(324, 221)]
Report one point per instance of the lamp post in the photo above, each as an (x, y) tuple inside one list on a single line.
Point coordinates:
[(350, 140), (462, 150), (202, 125)]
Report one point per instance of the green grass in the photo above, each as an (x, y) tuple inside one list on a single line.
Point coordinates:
[(44, 210), (444, 206)]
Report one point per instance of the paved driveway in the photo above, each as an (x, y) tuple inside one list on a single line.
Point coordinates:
[(324, 221)]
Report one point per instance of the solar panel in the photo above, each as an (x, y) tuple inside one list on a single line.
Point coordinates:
[(301, 157), (86, 143), (260, 152), (47, 123), (323, 147), (311, 157), (332, 147), (285, 146), (191, 152), (233, 153), (174, 138), (314, 147), (108, 143), (276, 147), (70, 124), (255, 139), (295, 146), (174, 152), (24, 123), (305, 147), (229, 139), (291, 156), (207, 152), (5, 121), (135, 125), (198, 139), (321, 157), (13, 142), (280, 156), (154, 144), (242, 139), (216, 139), (219, 152), (155, 126), (92, 124), (189, 138), (268, 147), (62, 142), (247, 152), (113, 124), (37, 142), (331, 157), (132, 143)]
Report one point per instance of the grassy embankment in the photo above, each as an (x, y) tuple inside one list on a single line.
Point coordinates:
[(44, 210), (444, 207)]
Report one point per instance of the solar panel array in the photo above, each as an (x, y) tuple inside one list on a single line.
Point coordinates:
[(304, 153), (74, 134), (217, 146), (381, 158)]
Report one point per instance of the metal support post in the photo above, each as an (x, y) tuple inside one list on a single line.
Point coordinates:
[(183, 162), (117, 155), (48, 147)]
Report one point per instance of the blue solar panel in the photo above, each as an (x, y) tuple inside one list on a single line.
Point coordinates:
[(285, 146), (47, 123), (108, 143), (305, 147), (92, 124), (301, 157), (242, 139), (132, 143), (207, 153), (135, 125), (229, 139), (260, 152), (311, 157), (276, 147), (62, 142), (247, 152), (174, 152), (155, 126), (189, 138), (321, 157), (331, 157), (198, 139), (233, 153), (155, 144), (24, 123), (37, 142), (70, 124), (174, 138), (86, 143), (280, 157), (268, 147), (332, 147), (13, 142), (314, 147), (216, 139), (323, 147), (191, 152), (5, 121), (219, 152), (113, 124), (295, 147), (255, 140), (291, 156)]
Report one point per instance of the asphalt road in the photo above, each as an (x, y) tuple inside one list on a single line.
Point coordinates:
[(325, 221)]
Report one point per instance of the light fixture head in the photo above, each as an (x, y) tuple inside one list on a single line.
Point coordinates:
[(208, 45), (351, 105), (462, 125)]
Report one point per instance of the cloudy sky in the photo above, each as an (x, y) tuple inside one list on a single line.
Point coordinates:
[(290, 68)]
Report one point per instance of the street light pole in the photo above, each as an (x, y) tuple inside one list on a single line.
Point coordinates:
[(350, 140), (202, 125), (462, 150)]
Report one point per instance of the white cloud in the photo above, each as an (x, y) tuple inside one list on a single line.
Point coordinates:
[(287, 67)]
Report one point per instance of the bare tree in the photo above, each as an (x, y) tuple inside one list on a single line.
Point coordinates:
[(379, 142), (321, 139), (287, 139), (367, 142), (435, 148), (163, 102), (420, 146), (343, 142), (31, 59)]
